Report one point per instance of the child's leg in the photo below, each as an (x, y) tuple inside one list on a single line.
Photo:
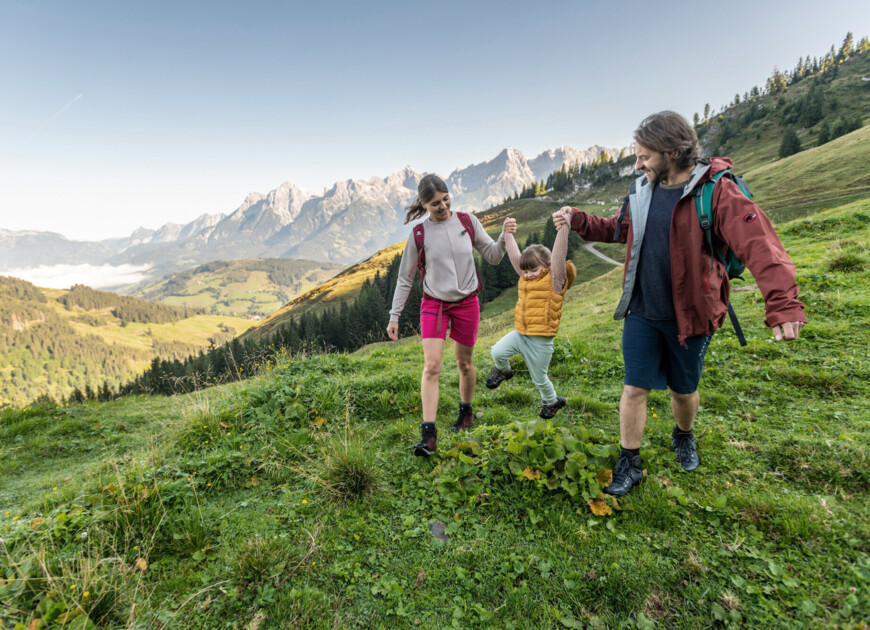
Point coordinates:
[(505, 348), (537, 352)]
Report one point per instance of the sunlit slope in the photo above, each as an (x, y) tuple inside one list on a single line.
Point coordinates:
[(839, 168)]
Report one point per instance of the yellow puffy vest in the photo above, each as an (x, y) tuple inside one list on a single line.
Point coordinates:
[(539, 307)]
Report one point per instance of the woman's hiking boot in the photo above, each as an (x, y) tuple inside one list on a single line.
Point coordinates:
[(428, 440), (684, 446), (626, 475), (497, 377), (466, 417), (548, 410)]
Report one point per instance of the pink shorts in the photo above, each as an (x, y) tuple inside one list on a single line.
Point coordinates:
[(463, 318)]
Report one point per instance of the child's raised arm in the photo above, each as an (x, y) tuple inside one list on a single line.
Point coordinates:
[(513, 252), (557, 260)]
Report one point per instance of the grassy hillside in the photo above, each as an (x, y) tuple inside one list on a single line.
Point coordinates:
[(292, 500), (48, 348), (832, 171), (241, 288)]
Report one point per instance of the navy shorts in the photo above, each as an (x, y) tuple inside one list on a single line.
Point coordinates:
[(654, 359)]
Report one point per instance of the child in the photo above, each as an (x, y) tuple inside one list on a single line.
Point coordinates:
[(544, 279)]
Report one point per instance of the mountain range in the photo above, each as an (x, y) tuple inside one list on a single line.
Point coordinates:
[(345, 224)]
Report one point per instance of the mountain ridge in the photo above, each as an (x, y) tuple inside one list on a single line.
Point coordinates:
[(348, 222)]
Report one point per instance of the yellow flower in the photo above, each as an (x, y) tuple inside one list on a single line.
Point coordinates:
[(15, 518), (54, 489), (655, 415), (72, 586), (208, 484), (304, 501), (6, 512), (86, 593)]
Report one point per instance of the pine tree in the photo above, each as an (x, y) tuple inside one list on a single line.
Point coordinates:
[(706, 112), (790, 143), (824, 133), (847, 48)]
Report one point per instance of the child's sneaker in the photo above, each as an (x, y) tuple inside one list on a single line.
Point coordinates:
[(548, 410), (428, 440), (497, 377), (466, 417)]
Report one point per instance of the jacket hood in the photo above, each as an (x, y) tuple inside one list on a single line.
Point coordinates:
[(719, 164)]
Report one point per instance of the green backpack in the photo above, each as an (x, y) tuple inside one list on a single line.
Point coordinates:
[(733, 265)]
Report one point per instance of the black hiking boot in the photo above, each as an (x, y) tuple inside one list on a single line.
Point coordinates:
[(428, 442), (548, 410), (466, 417), (497, 377), (684, 446), (628, 473)]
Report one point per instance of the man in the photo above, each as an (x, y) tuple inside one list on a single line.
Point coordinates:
[(675, 291)]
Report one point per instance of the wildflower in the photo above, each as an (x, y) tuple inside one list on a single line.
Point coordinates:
[(54, 489), (304, 501), (15, 518), (6, 513), (72, 587), (86, 593), (208, 484), (655, 415)]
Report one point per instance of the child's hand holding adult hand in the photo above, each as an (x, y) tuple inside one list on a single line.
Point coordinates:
[(563, 217), (509, 226)]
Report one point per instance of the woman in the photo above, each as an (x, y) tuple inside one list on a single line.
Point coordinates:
[(450, 286)]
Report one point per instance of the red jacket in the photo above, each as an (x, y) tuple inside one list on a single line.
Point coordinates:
[(700, 283)]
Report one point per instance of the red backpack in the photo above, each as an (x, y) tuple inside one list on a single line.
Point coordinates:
[(419, 238)]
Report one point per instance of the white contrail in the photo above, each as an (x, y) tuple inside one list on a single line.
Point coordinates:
[(58, 113)]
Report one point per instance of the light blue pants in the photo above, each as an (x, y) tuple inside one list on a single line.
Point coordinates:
[(536, 351)]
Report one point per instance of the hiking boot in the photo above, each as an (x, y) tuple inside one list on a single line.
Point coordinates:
[(628, 473), (428, 442), (548, 410), (497, 377), (684, 447), (463, 423)]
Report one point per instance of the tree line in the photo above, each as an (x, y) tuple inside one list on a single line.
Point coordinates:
[(127, 309)]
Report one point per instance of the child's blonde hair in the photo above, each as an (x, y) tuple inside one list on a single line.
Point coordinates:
[(534, 256)]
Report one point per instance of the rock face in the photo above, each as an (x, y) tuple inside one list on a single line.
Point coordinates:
[(348, 222)]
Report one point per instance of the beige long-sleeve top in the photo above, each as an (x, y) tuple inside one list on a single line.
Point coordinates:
[(450, 272)]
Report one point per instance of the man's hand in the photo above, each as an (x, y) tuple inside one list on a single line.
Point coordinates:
[(509, 226), (563, 217), (788, 330), (393, 331)]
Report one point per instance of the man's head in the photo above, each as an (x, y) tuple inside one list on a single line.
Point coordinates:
[(666, 145)]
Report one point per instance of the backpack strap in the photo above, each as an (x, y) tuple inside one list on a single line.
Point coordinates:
[(468, 224), (620, 218), (704, 205), (419, 238), (625, 208)]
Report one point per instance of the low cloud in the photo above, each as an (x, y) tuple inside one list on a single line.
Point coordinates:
[(97, 277)]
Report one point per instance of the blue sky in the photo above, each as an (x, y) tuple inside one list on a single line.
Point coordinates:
[(115, 115)]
